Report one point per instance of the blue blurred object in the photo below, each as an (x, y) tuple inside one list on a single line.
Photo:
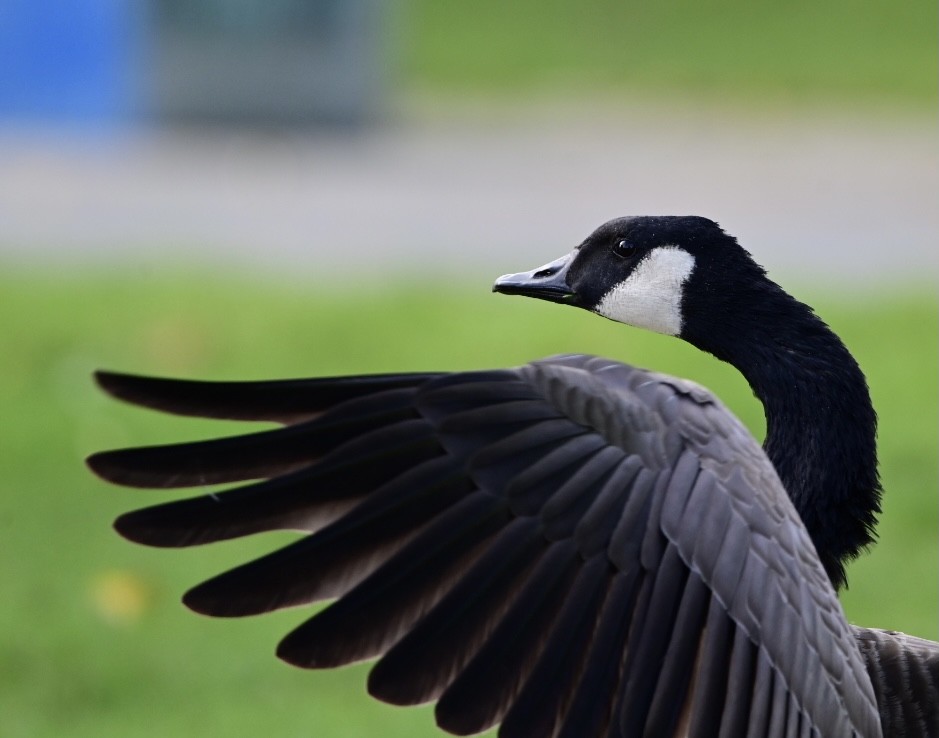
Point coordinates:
[(71, 61), (107, 63)]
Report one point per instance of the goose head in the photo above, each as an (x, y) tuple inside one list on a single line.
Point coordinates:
[(677, 275)]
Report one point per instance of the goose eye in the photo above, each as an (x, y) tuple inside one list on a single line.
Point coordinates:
[(624, 249)]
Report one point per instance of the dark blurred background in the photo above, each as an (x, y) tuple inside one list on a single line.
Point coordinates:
[(250, 189)]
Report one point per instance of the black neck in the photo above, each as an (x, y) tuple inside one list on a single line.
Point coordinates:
[(820, 424)]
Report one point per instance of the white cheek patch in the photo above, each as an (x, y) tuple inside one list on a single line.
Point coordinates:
[(650, 297)]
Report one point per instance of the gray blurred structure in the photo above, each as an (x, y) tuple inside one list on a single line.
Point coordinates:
[(269, 61), (826, 198)]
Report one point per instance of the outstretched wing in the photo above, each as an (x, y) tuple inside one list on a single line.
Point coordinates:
[(572, 548)]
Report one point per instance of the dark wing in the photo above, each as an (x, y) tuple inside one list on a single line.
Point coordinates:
[(905, 672), (572, 548)]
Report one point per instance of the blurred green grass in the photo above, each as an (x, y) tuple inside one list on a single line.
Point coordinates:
[(756, 52), (93, 640)]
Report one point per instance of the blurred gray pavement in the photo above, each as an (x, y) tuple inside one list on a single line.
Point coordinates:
[(833, 196)]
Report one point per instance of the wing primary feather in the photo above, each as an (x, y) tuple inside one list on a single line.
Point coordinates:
[(626, 541), (450, 394), (331, 561), (265, 506), (382, 607), (779, 709), (794, 719), (808, 730), (618, 728), (654, 543), (650, 637), (481, 694), (678, 665), (426, 660), (466, 434), (591, 709), (280, 401), (508, 457), (307, 499), (761, 696), (544, 699), (453, 394), (711, 678), (595, 529), (249, 456), (737, 699), (501, 415), (532, 487), (565, 508)]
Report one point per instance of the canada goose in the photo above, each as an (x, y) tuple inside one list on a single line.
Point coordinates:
[(575, 547)]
